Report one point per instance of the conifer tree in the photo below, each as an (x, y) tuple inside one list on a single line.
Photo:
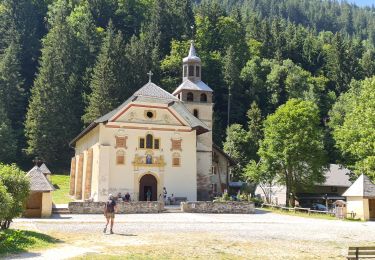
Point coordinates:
[(53, 116), (7, 139), (108, 83), (11, 91)]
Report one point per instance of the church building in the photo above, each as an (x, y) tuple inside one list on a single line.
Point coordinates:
[(153, 140)]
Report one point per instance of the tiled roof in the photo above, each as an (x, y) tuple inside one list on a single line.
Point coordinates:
[(189, 85), (39, 182), (362, 187)]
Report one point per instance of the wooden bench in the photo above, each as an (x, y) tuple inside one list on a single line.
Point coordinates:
[(361, 252)]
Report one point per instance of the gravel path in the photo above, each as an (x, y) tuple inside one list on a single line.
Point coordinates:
[(262, 227)]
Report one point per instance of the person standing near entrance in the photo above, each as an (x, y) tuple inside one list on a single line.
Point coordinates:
[(109, 212), (148, 195)]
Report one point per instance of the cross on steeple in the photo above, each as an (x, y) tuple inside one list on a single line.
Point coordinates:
[(150, 75)]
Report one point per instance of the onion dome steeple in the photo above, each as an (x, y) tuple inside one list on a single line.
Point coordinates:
[(192, 65)]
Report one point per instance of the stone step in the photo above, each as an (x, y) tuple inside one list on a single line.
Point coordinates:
[(172, 210), (60, 211)]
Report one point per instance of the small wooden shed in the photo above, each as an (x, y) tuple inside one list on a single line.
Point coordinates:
[(39, 202), (360, 198)]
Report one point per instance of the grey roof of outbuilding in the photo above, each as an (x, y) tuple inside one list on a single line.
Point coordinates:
[(189, 85), (151, 93), (338, 176), (362, 187), (39, 182), (44, 169)]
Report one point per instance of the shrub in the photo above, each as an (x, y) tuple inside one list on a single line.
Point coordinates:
[(17, 187), (5, 201), (223, 198)]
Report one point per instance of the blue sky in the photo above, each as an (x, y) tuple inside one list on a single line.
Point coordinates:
[(363, 2)]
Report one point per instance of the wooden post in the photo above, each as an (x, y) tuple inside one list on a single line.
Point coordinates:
[(88, 178), (78, 193), (72, 176)]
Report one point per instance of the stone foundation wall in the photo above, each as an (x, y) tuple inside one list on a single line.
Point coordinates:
[(230, 207), (122, 207)]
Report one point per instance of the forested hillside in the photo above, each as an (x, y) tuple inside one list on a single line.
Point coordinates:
[(64, 63)]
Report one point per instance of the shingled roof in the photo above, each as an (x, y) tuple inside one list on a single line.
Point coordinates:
[(362, 187), (44, 169), (189, 85), (152, 90), (39, 182)]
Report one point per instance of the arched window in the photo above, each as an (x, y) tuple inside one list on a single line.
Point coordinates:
[(185, 71), (176, 160), (149, 141), (191, 71), (197, 72), (120, 157), (203, 97), (196, 114), (190, 97)]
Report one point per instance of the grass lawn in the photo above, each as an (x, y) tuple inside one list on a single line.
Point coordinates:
[(62, 185), (17, 241)]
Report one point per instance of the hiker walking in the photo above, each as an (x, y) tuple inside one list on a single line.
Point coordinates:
[(109, 212)]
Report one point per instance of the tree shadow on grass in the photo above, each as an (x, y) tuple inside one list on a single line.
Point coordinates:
[(17, 241)]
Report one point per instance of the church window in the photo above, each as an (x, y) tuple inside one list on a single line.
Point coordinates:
[(197, 71), (156, 143), (141, 143), (176, 160), (196, 114), (203, 97), (190, 96), (120, 157), (121, 141), (191, 71), (149, 141), (185, 71), (176, 144)]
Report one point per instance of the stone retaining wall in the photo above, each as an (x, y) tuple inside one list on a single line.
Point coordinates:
[(232, 207), (122, 207)]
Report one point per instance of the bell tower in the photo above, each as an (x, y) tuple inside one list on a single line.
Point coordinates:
[(197, 98)]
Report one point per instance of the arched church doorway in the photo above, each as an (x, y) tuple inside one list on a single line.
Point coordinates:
[(148, 183)]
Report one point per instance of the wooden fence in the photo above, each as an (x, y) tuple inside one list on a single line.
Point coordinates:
[(297, 209)]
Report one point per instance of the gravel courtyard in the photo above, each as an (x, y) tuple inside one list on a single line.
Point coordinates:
[(204, 236)]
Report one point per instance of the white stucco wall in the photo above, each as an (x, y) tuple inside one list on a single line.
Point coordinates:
[(278, 194), (359, 205)]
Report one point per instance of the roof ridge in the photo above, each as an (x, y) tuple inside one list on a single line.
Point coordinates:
[(150, 89)]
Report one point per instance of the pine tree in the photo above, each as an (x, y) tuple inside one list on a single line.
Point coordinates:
[(22, 18), (8, 140), (108, 83), (11, 91), (53, 116)]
